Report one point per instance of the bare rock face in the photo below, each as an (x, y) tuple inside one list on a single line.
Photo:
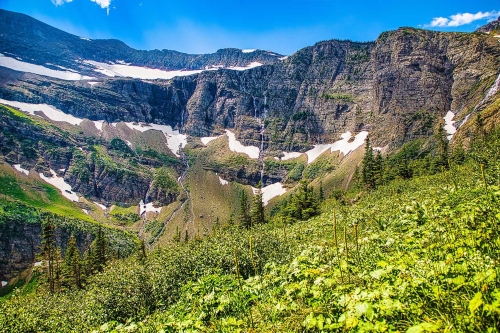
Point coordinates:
[(490, 27), (398, 88)]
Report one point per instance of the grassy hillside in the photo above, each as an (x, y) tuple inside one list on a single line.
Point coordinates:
[(417, 255)]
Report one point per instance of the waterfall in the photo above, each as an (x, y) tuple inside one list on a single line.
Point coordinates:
[(492, 91)]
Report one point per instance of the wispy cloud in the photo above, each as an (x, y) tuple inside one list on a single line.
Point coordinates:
[(60, 2), (462, 19), (103, 3)]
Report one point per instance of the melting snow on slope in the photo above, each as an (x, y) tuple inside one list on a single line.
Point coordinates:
[(51, 112), (40, 70), (250, 65), (137, 71), (270, 191), (87, 39), (98, 124), (236, 146), (223, 181), (92, 83), (59, 182), (100, 205), (249, 50), (174, 138), (448, 124), (85, 211), (206, 139), (18, 168), (4, 283), (344, 146), (148, 208), (289, 156)]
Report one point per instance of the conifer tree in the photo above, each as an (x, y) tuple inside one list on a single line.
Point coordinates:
[(443, 146), (368, 171), (49, 253), (72, 262), (245, 220), (321, 191), (257, 211)]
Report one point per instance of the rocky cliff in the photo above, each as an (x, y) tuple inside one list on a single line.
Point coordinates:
[(398, 87)]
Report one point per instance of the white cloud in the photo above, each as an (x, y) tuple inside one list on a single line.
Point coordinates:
[(60, 2), (103, 4), (462, 19)]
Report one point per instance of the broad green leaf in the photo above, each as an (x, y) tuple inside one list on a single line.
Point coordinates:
[(475, 302)]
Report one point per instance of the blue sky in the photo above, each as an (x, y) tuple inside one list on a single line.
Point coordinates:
[(282, 26)]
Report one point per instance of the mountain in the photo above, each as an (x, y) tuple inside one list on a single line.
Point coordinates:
[(161, 143), (37, 43)]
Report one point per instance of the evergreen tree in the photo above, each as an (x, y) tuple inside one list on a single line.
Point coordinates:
[(368, 170), (142, 251), (244, 217), (443, 147), (378, 165), (49, 253), (72, 262), (257, 211), (321, 192)]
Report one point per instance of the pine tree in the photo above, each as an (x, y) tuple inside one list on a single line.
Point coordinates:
[(368, 171), (257, 211), (142, 251), (49, 253), (443, 147), (244, 217), (321, 192), (72, 262)]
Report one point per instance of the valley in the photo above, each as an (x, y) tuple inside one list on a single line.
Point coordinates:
[(349, 186)]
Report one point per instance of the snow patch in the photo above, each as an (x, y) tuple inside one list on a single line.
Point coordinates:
[(248, 50), (448, 124), (174, 138), (98, 124), (270, 191), (59, 182), (206, 139), (85, 211), (92, 83), (38, 264), (344, 146), (51, 112), (250, 65), (283, 58), (18, 168), (236, 146), (223, 181), (87, 39), (4, 283), (100, 205), (62, 170), (22, 66), (289, 156), (137, 71), (494, 88), (148, 208), (128, 143)]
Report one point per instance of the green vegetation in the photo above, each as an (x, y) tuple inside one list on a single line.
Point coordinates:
[(342, 97), (163, 179)]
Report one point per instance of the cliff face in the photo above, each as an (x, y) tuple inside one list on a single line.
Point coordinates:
[(398, 88), (21, 245)]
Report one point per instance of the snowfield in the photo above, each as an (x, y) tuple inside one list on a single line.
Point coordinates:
[(236, 146), (448, 125), (174, 138), (22, 66), (270, 191), (50, 111), (144, 208), (207, 139), (289, 156), (250, 65), (18, 168), (138, 72), (344, 146), (59, 182)]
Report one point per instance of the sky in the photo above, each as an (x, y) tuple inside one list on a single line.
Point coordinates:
[(282, 26)]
